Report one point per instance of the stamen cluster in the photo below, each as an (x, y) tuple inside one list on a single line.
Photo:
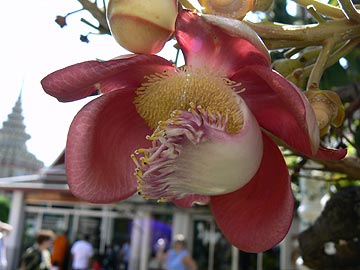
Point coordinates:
[(166, 92), (155, 165)]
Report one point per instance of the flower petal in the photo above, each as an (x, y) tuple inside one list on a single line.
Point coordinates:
[(258, 216), (84, 79), (101, 139), (280, 108), (230, 43), (330, 154)]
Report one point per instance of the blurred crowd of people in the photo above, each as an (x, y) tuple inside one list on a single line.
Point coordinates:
[(50, 252), (55, 252)]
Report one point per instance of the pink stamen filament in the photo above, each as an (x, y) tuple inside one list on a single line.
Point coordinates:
[(155, 167)]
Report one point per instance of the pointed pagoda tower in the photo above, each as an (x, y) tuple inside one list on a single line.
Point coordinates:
[(14, 157)]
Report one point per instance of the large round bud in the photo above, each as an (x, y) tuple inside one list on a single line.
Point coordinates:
[(142, 26), (328, 109)]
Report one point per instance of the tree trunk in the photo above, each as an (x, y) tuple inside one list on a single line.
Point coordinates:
[(338, 224)]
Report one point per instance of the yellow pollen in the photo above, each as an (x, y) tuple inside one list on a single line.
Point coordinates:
[(167, 93)]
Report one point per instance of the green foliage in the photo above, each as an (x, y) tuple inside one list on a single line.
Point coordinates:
[(279, 13), (353, 59), (337, 75), (333, 2), (357, 138), (4, 208), (334, 76), (346, 183)]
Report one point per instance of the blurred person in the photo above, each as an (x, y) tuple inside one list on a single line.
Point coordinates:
[(96, 264), (109, 261), (37, 257), (155, 263), (125, 255), (55, 266), (177, 258), (82, 252), (60, 251), (4, 230)]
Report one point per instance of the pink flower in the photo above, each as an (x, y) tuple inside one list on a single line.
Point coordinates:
[(198, 134)]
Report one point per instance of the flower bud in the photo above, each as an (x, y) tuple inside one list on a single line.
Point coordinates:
[(235, 9), (61, 21), (142, 26), (328, 109), (286, 66)]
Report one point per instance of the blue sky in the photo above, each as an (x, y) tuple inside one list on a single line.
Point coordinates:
[(33, 45)]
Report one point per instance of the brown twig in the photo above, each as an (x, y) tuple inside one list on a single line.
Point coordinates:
[(99, 15), (349, 166)]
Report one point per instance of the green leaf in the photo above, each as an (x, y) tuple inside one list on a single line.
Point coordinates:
[(334, 76)]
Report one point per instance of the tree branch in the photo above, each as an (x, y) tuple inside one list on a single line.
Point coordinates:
[(349, 93), (338, 223), (349, 166), (99, 15)]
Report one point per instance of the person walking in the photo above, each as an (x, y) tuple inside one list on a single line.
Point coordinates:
[(82, 252), (178, 258), (4, 230), (125, 254), (60, 251), (37, 257)]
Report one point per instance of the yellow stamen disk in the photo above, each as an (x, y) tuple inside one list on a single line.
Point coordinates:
[(169, 93)]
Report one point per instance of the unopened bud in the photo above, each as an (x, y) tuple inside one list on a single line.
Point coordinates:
[(142, 26), (328, 109), (235, 9), (286, 66)]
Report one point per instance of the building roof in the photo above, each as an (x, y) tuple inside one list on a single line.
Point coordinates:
[(48, 179)]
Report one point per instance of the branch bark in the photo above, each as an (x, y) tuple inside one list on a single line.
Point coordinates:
[(99, 15), (338, 223), (349, 93), (349, 166)]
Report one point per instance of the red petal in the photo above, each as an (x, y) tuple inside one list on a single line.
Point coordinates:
[(205, 44), (101, 139), (258, 216), (330, 154), (84, 79), (191, 200), (280, 108)]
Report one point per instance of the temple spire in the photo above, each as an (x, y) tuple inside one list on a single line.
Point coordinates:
[(14, 156), (14, 127)]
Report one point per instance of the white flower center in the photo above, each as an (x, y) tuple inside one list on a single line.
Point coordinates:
[(193, 154)]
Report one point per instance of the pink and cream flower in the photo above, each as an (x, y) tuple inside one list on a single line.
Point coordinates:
[(202, 133)]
